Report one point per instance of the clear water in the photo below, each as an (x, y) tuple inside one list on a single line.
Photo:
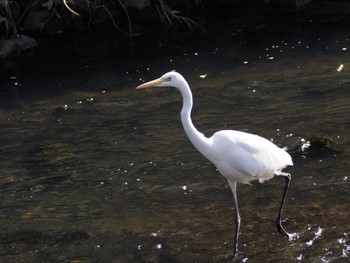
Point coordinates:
[(95, 171)]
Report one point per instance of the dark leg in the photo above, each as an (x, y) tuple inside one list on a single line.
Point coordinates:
[(279, 218), (233, 186)]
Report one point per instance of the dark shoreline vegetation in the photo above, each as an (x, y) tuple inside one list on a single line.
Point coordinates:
[(61, 31)]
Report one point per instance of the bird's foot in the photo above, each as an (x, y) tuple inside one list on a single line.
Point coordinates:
[(291, 236), (282, 230), (234, 257)]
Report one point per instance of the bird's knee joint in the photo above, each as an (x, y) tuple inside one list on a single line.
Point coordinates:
[(238, 220), (288, 176)]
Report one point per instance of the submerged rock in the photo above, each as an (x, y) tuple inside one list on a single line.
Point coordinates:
[(316, 147), (15, 45)]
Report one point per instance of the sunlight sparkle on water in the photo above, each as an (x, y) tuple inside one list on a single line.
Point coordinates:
[(318, 234), (293, 236), (341, 240), (346, 251), (97, 247), (300, 257), (158, 246), (340, 68)]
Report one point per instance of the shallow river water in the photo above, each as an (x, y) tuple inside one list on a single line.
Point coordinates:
[(94, 171)]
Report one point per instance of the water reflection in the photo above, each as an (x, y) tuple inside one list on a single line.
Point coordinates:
[(93, 171)]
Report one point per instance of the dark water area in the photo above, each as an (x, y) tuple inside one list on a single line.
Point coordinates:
[(94, 171)]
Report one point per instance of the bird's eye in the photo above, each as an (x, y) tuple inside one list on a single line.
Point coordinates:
[(168, 79)]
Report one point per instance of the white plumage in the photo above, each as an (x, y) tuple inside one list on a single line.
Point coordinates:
[(243, 157), (239, 156)]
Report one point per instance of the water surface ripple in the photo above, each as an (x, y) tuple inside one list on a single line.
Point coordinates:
[(94, 171)]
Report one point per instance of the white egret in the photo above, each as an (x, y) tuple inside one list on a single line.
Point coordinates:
[(240, 157)]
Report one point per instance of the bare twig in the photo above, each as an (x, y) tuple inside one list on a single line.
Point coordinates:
[(130, 28), (111, 16), (169, 14), (70, 9)]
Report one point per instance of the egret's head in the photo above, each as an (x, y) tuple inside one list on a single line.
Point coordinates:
[(170, 79)]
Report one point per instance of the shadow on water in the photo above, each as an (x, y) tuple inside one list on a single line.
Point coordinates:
[(93, 171)]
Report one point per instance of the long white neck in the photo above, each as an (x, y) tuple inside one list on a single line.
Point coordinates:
[(197, 138)]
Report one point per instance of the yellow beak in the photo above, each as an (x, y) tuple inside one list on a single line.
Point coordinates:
[(150, 84)]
